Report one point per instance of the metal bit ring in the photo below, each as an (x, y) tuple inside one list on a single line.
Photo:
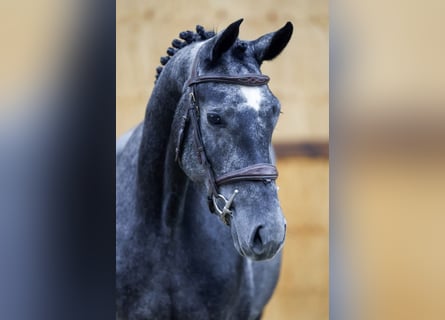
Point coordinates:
[(225, 212)]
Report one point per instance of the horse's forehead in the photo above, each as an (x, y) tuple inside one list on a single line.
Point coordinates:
[(253, 97), (240, 97)]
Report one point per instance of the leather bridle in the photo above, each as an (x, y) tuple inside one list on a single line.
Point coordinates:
[(258, 172)]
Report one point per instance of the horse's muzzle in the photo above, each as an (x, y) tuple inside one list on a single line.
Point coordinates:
[(263, 242)]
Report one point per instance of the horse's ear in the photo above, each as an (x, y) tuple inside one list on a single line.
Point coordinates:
[(270, 45), (225, 40)]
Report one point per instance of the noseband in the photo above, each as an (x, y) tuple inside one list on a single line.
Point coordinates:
[(258, 172)]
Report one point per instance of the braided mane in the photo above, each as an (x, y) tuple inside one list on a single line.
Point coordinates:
[(189, 37)]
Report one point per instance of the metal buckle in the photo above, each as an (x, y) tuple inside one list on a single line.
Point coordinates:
[(194, 103), (225, 213), (192, 97)]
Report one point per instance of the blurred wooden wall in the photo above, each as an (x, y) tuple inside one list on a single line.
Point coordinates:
[(299, 78)]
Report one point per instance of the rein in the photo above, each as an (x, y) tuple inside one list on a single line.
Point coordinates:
[(258, 172)]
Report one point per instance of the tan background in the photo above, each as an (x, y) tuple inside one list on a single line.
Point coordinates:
[(299, 78)]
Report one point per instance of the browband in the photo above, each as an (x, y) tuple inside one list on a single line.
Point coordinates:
[(250, 79)]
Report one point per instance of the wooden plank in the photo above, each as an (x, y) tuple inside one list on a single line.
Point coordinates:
[(302, 149), (299, 76), (303, 288)]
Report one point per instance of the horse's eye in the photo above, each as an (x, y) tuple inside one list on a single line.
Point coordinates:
[(214, 118), (275, 109)]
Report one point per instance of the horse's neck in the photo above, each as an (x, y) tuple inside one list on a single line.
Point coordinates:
[(161, 184)]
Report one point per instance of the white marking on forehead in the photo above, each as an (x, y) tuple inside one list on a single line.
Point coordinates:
[(253, 96)]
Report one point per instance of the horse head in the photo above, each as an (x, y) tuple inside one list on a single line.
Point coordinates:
[(224, 124)]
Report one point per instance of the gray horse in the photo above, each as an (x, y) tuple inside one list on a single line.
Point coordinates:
[(204, 146)]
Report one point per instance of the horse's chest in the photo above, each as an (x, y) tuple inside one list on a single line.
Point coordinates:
[(199, 286)]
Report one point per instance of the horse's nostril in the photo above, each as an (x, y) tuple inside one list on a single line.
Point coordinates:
[(257, 241)]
